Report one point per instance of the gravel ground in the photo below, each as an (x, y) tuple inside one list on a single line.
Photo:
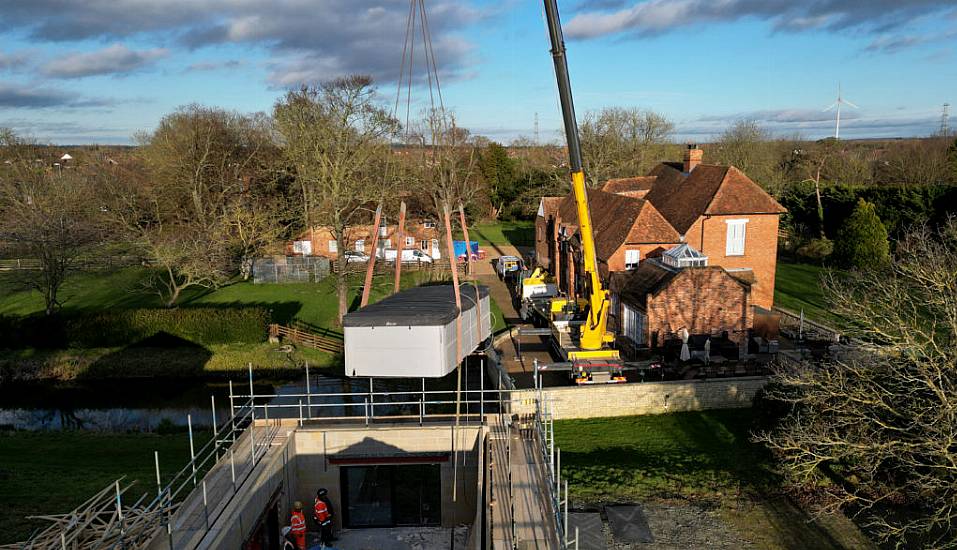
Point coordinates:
[(683, 526)]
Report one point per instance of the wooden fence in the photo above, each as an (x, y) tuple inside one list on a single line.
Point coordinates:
[(383, 267), (87, 264), (320, 339)]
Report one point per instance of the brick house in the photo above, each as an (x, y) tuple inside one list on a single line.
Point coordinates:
[(420, 234), (652, 303), (714, 214)]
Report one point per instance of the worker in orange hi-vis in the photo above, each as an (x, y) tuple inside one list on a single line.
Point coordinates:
[(322, 513), (298, 524)]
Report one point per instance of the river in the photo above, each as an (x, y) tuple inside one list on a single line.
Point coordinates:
[(157, 404)]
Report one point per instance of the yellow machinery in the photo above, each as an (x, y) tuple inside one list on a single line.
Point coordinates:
[(591, 351)]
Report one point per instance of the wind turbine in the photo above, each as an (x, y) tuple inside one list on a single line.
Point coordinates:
[(840, 101)]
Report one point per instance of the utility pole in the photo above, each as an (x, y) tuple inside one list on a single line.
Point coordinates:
[(945, 120)]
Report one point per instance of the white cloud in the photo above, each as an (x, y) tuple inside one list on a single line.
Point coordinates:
[(112, 60)]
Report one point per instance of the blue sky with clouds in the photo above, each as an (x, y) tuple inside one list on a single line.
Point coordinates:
[(103, 70)]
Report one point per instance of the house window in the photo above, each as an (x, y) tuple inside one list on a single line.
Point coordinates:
[(302, 247), (424, 245), (428, 225), (361, 245), (410, 241), (631, 258), (387, 243), (333, 246), (383, 231), (736, 234)]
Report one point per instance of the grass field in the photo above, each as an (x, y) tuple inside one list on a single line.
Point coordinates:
[(516, 233), (688, 454), (798, 286), (52, 472), (314, 304), (702, 457)]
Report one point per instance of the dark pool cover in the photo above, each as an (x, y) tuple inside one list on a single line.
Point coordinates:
[(419, 306)]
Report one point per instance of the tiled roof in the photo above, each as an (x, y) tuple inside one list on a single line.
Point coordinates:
[(651, 277), (618, 219), (708, 189), (550, 205), (629, 185)]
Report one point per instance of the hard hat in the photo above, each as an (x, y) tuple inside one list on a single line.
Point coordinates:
[(322, 492), (286, 530), (297, 506)]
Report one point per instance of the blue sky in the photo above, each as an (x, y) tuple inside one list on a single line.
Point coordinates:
[(103, 70)]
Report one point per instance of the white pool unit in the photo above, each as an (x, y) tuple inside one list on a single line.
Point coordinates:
[(412, 334)]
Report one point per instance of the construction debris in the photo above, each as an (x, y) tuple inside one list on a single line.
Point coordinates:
[(101, 522)]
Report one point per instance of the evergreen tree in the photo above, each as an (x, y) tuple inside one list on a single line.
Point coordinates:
[(862, 241), (499, 173)]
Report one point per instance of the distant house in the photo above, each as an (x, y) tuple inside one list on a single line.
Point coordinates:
[(319, 241), (696, 226)]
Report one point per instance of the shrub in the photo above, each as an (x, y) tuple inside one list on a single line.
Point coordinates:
[(200, 326), (816, 249), (862, 241)]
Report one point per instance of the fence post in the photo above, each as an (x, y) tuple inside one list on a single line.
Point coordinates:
[(482, 391), (308, 394), (232, 412), (300, 413), (371, 399), (159, 483), (232, 468), (212, 401), (192, 453)]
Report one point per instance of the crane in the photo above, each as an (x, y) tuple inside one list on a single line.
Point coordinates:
[(591, 353)]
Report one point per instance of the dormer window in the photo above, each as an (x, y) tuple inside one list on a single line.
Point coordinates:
[(428, 224), (683, 256)]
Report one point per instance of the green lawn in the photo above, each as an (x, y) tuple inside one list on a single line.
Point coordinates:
[(516, 233), (52, 472), (688, 454), (798, 286), (314, 304), (705, 458)]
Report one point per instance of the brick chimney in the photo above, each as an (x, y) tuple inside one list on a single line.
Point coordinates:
[(693, 157)]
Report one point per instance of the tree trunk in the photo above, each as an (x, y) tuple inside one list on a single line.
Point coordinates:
[(342, 287)]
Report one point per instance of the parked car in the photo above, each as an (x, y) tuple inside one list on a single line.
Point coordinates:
[(409, 255), (354, 256)]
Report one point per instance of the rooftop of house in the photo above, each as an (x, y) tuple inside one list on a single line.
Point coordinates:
[(652, 276), (610, 213), (709, 190), (636, 186)]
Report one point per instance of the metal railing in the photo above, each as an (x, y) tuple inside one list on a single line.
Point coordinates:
[(552, 459)]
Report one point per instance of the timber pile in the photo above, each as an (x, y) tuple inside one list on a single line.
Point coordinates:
[(99, 523)]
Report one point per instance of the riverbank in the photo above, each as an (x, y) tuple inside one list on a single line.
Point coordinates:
[(51, 473), (214, 361)]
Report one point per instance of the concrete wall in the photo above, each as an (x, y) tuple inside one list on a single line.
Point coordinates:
[(314, 447), (645, 398)]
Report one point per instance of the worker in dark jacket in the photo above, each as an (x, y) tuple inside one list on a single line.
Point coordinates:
[(322, 513)]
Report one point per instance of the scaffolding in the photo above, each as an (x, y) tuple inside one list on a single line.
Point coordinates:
[(186, 505)]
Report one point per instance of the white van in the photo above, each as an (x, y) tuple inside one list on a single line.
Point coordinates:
[(409, 255)]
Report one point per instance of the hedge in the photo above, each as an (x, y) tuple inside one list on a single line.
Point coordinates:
[(200, 326)]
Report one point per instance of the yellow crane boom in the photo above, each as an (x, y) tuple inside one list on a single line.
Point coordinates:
[(594, 333)]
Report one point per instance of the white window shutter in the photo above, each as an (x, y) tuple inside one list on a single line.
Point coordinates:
[(734, 244)]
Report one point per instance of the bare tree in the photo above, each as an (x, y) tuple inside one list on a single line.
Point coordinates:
[(443, 168), (179, 205), (622, 142), (49, 216), (877, 428), (337, 136)]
